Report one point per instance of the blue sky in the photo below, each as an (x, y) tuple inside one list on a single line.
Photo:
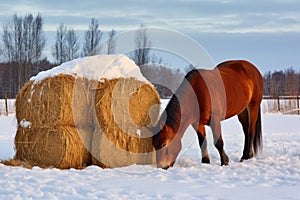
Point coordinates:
[(266, 32)]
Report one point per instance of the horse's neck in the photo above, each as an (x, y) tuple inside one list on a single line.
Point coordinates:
[(179, 110)]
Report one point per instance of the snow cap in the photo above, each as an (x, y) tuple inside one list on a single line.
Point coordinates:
[(96, 68)]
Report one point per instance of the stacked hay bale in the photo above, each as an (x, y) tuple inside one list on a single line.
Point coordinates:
[(54, 123), (65, 121), (124, 108)]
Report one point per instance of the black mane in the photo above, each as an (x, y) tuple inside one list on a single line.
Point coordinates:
[(173, 110), (173, 113)]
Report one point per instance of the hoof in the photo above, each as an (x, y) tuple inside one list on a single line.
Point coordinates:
[(224, 160), (243, 158), (205, 160), (246, 157)]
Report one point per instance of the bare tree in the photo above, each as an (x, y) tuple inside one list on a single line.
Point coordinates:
[(7, 38), (24, 42), (72, 45), (92, 38), (142, 47), (66, 46), (59, 49), (112, 41), (291, 83), (12, 31), (18, 30), (1, 53), (28, 38), (39, 39), (267, 83)]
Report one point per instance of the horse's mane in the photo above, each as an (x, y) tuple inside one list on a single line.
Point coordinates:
[(173, 113), (173, 110)]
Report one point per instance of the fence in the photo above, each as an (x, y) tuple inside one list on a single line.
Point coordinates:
[(282, 104), (7, 106)]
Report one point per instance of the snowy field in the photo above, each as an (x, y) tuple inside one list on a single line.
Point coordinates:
[(273, 175)]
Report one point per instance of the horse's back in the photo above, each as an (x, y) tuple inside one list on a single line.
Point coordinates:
[(228, 89), (241, 67), (243, 83), (241, 71)]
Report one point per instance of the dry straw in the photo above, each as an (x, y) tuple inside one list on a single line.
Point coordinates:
[(70, 117), (59, 124), (60, 147), (61, 100), (124, 107)]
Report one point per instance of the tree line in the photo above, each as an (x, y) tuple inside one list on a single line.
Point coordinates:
[(23, 43), (282, 83)]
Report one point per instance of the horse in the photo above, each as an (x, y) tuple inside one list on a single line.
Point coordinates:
[(206, 97)]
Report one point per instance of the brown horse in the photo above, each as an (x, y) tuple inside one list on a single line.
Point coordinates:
[(206, 97)]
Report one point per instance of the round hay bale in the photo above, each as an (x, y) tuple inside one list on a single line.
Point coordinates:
[(124, 107), (61, 100), (61, 147)]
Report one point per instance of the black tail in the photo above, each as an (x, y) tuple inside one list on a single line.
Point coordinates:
[(258, 143)]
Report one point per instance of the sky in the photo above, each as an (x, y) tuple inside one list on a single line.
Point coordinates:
[(265, 32)]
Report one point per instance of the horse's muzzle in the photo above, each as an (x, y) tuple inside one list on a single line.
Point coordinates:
[(165, 166)]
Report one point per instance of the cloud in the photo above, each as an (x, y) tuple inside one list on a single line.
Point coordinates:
[(228, 16)]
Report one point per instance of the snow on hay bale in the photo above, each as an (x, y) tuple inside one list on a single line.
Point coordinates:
[(57, 117), (124, 107)]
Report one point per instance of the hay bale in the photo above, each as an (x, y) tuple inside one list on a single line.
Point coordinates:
[(58, 116), (124, 107), (61, 100), (61, 147), (55, 122)]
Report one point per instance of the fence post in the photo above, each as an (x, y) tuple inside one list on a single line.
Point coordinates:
[(278, 103), (6, 105), (298, 104)]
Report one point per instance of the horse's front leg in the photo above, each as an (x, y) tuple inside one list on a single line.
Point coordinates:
[(219, 144), (200, 129)]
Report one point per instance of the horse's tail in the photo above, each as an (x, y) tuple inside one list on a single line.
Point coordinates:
[(257, 142)]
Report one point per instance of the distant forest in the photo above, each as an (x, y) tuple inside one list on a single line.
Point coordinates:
[(282, 83), (23, 41)]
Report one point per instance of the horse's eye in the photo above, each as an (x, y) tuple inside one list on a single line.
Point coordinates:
[(163, 145)]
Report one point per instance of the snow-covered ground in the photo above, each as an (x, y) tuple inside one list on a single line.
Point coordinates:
[(273, 175)]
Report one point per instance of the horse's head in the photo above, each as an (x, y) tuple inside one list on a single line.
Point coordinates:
[(167, 147)]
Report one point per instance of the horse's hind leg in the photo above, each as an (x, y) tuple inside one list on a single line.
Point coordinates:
[(202, 142), (244, 120), (218, 140)]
